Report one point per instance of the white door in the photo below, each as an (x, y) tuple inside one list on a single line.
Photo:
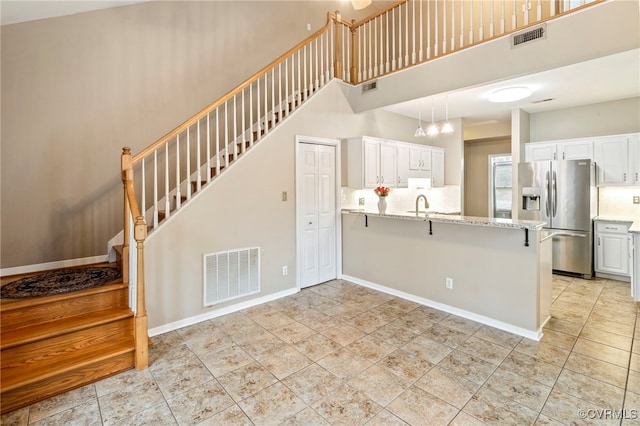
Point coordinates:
[(317, 204)]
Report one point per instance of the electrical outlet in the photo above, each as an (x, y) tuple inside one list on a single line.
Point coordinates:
[(636, 199), (284, 195), (449, 283), (361, 201), (285, 271)]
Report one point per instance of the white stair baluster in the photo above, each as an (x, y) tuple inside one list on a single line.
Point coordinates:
[(198, 161), (251, 114), (444, 27), (462, 44), (273, 97), (436, 45), (259, 132), (285, 111), (360, 53), (503, 17), (514, 16), (481, 28), (244, 128), (167, 200), (387, 63), (429, 30), (406, 34), (155, 188), (471, 38), (217, 142), (178, 194), (413, 31), (393, 39), (304, 73), (420, 55), (208, 149), (266, 104), (226, 134), (453, 27), (235, 127), (188, 164), (492, 29), (375, 48), (143, 194)]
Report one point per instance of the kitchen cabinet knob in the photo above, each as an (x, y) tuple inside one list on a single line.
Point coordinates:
[(624, 177), (310, 223)]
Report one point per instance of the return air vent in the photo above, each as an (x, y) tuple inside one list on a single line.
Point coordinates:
[(537, 33), (372, 85), (231, 274)]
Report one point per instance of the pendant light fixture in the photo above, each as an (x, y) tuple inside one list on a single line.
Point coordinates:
[(447, 127), (360, 4), (433, 129), (419, 131)]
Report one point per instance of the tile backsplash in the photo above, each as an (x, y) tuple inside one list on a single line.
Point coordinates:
[(618, 201), (445, 199)]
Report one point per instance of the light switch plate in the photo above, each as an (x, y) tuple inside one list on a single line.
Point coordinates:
[(361, 201), (636, 199)]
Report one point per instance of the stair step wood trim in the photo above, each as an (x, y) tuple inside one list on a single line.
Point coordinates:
[(61, 382), (24, 335), (29, 312), (31, 363)]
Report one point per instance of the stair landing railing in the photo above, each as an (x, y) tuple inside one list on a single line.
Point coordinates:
[(161, 178)]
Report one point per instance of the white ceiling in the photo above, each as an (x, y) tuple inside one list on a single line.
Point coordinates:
[(600, 80)]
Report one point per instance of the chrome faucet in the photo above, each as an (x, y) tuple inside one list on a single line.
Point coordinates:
[(426, 203)]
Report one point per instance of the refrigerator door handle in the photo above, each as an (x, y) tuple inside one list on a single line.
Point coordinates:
[(555, 194), (548, 195)]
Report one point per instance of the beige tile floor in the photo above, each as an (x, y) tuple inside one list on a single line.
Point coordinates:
[(341, 354)]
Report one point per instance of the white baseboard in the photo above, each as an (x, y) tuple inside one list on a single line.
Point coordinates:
[(27, 269), (529, 334), (219, 312)]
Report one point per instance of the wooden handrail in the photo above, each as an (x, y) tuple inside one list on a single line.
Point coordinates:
[(229, 95), (378, 13)]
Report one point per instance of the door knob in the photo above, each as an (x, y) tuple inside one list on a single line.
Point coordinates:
[(310, 223)]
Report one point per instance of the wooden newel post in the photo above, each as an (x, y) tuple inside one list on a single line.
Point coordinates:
[(337, 66), (141, 323), (125, 167), (354, 68)]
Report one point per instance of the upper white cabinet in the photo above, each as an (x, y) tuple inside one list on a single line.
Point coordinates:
[(618, 160), (562, 150), (437, 167), (375, 162), (371, 162), (419, 157)]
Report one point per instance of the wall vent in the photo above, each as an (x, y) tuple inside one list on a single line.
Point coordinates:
[(537, 33), (231, 274), (370, 86)]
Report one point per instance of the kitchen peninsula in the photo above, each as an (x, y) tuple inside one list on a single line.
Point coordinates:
[(499, 270)]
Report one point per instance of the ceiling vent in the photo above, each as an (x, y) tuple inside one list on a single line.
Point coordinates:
[(372, 85), (537, 33)]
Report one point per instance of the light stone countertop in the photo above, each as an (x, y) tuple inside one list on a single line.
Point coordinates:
[(457, 219), (634, 221)]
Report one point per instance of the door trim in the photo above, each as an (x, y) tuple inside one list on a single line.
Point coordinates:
[(300, 139)]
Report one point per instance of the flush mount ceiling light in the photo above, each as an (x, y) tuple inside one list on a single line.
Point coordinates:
[(510, 94), (360, 4)]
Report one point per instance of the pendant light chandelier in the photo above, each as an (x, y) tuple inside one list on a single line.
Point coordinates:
[(433, 129), (419, 131), (447, 127)]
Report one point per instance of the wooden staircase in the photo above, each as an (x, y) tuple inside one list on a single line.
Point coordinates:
[(50, 345)]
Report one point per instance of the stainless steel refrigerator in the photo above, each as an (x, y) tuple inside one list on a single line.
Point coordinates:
[(563, 194)]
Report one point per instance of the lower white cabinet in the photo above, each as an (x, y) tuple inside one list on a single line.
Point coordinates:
[(612, 245), (437, 167)]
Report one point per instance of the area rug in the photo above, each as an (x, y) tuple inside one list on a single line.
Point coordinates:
[(60, 281)]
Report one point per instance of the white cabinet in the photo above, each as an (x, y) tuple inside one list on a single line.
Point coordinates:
[(419, 158), (561, 150), (375, 162), (371, 162), (634, 159), (612, 248), (437, 167), (403, 157), (618, 159), (540, 151)]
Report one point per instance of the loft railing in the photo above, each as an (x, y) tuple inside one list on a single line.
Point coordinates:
[(160, 179)]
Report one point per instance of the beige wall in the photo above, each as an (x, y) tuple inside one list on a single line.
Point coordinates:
[(76, 89), (494, 274), (476, 173), (244, 209)]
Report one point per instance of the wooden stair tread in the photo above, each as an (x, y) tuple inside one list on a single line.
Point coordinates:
[(15, 375), (64, 382), (10, 304), (23, 335)]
